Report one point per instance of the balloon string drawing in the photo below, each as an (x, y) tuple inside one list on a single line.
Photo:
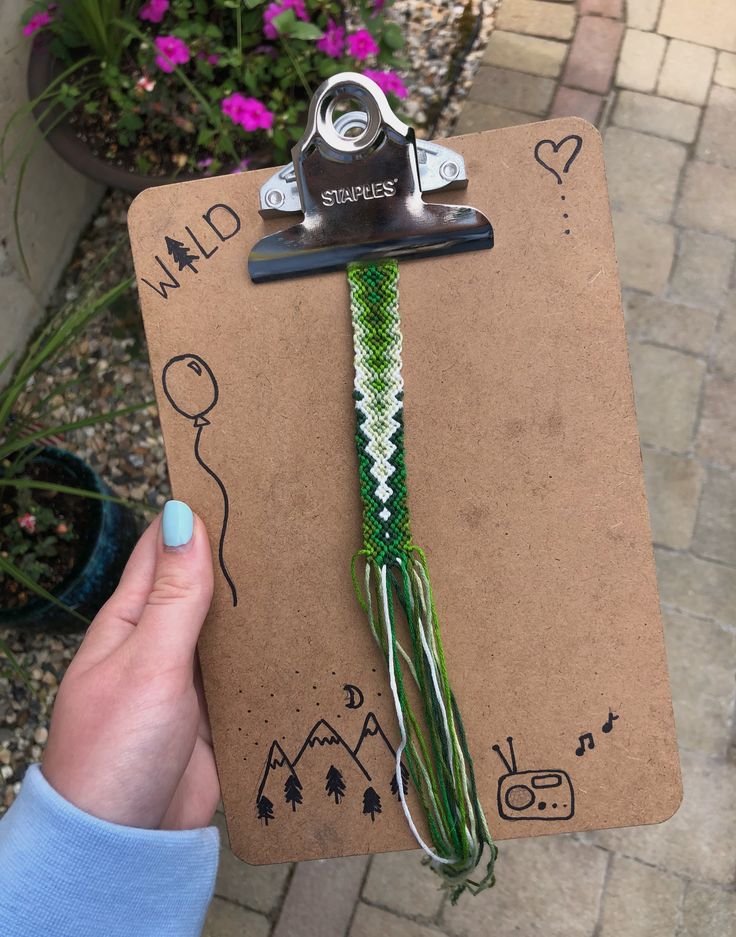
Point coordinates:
[(191, 389)]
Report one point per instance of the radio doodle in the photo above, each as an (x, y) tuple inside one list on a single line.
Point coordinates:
[(543, 794)]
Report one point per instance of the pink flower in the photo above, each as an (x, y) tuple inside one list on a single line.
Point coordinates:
[(27, 522), (210, 59), (275, 9), (36, 22), (361, 45), (154, 11), (145, 83), (173, 51), (248, 112), (388, 82), (378, 5), (241, 167), (333, 41)]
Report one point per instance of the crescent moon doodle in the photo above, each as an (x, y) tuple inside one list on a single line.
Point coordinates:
[(354, 696)]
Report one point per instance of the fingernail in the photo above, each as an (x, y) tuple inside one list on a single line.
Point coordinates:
[(177, 524)]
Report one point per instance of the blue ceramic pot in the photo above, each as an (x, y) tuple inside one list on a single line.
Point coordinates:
[(104, 548)]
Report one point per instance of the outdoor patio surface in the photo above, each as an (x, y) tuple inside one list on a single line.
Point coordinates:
[(659, 78)]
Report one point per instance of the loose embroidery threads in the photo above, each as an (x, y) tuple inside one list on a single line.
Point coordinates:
[(395, 579)]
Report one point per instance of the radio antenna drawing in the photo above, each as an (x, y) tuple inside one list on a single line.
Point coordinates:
[(543, 794), (191, 389)]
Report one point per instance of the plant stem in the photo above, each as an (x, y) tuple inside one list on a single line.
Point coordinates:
[(297, 66)]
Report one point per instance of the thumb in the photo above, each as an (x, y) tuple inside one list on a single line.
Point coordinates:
[(180, 595)]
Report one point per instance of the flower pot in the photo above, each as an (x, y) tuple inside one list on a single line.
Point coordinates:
[(43, 67), (103, 549)]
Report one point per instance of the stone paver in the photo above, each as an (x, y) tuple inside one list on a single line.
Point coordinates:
[(515, 91), (700, 655), (259, 887), (686, 72), (715, 532), (537, 18), (726, 70), (708, 199), (642, 14), (723, 361), (639, 901), (700, 839), (667, 386), (226, 919), (322, 897), (593, 52), (708, 911), (643, 172), (660, 116), (640, 60), (703, 269), (697, 586), (476, 117), (610, 8), (708, 22), (373, 922), (551, 885), (645, 250), (398, 881), (663, 322), (717, 141), (673, 492), (525, 53), (717, 436), (572, 102)]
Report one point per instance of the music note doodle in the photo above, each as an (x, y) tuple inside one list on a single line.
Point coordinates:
[(608, 725), (586, 737)]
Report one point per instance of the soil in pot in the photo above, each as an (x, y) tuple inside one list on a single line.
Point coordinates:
[(90, 541), (52, 550)]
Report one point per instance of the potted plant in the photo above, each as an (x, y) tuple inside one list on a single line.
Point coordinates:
[(63, 537), (137, 93)]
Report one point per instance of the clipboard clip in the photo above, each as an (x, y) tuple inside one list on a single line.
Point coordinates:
[(358, 179)]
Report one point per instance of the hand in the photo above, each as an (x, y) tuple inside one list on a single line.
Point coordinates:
[(130, 739)]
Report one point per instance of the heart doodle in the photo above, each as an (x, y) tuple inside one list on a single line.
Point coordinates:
[(556, 156)]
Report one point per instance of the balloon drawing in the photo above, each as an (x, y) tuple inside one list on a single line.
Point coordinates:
[(191, 389)]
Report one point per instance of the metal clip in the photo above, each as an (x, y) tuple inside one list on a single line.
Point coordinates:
[(440, 170), (359, 179)]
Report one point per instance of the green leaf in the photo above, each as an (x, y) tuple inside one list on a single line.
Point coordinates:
[(284, 22), (302, 30), (393, 36), (252, 4), (10, 569), (31, 484)]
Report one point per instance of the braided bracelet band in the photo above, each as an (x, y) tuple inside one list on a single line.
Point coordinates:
[(395, 576)]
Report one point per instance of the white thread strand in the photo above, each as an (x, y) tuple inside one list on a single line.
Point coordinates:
[(402, 729)]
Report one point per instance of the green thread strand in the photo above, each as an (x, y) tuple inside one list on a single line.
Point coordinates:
[(437, 757)]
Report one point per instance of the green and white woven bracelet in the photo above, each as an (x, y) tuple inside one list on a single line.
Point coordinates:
[(394, 576)]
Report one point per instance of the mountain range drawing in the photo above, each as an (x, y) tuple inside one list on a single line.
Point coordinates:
[(326, 767)]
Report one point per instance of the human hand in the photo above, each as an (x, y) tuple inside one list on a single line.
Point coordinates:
[(130, 740)]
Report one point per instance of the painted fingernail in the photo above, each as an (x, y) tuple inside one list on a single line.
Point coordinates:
[(177, 524)]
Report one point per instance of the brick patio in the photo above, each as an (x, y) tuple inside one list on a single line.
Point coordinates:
[(659, 79)]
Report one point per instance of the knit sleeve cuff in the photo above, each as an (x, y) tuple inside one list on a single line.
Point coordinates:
[(64, 872)]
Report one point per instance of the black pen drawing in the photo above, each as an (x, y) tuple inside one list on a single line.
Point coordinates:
[(191, 389)]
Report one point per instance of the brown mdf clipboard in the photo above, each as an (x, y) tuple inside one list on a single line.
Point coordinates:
[(525, 488)]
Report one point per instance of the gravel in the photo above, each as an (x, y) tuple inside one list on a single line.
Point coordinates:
[(445, 42)]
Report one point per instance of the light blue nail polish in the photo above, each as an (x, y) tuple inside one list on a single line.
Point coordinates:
[(177, 523)]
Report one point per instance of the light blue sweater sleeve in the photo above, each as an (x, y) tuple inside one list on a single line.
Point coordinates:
[(66, 873)]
